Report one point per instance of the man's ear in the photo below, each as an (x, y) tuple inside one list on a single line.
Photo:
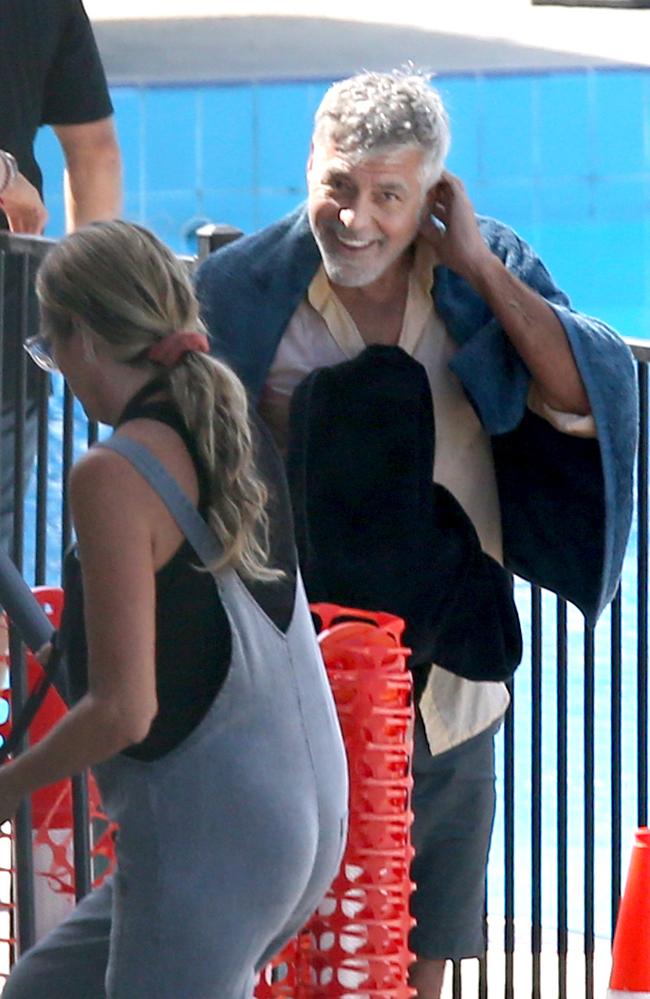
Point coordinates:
[(430, 197), (428, 203), (431, 200), (310, 158)]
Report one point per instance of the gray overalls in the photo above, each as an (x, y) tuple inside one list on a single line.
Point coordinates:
[(228, 842)]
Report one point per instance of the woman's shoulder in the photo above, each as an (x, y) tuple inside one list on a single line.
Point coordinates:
[(104, 490), (104, 471), (112, 502), (100, 470)]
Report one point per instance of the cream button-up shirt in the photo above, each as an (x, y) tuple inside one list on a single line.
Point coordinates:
[(321, 333)]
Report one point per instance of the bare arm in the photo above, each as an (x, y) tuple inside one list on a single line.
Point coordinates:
[(23, 207), (529, 322), (115, 546), (93, 178)]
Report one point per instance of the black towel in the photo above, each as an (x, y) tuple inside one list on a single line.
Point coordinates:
[(374, 531)]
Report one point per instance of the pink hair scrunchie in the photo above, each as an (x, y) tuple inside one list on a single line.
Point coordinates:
[(171, 348)]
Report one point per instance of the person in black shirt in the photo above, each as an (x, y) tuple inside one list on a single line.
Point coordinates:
[(50, 73)]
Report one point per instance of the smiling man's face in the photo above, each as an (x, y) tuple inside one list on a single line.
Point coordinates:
[(364, 212)]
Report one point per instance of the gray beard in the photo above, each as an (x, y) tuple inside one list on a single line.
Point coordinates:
[(344, 274)]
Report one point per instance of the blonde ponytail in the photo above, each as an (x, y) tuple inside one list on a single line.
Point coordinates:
[(237, 513)]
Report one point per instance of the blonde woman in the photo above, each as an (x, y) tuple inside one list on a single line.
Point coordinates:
[(199, 697)]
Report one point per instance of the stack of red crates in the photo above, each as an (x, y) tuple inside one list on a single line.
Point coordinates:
[(356, 944)]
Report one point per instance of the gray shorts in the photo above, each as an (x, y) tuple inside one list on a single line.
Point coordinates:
[(453, 802)]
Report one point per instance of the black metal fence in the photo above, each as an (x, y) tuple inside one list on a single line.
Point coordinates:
[(573, 770)]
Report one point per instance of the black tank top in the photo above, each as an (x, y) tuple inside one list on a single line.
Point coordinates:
[(193, 644)]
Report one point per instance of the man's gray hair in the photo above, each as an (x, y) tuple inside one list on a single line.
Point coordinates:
[(372, 112)]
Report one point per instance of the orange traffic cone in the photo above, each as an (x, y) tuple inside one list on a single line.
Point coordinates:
[(631, 951)]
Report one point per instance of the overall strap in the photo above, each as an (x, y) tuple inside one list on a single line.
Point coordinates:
[(191, 523)]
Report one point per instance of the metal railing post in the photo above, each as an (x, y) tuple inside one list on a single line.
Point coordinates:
[(212, 236)]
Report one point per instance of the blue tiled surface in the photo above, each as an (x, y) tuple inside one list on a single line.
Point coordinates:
[(272, 205), (565, 201), (129, 104), (461, 97), (227, 138), (50, 158), (621, 200), (508, 128), (564, 127), (233, 206), (172, 214), (620, 123), (170, 140), (513, 200), (563, 157), (284, 118)]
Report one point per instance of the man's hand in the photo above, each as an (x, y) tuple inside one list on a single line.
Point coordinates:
[(451, 228), (23, 207)]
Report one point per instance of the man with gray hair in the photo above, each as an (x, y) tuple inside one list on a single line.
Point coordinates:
[(387, 278)]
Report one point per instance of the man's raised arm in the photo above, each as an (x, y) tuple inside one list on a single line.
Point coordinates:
[(527, 319), (93, 177)]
